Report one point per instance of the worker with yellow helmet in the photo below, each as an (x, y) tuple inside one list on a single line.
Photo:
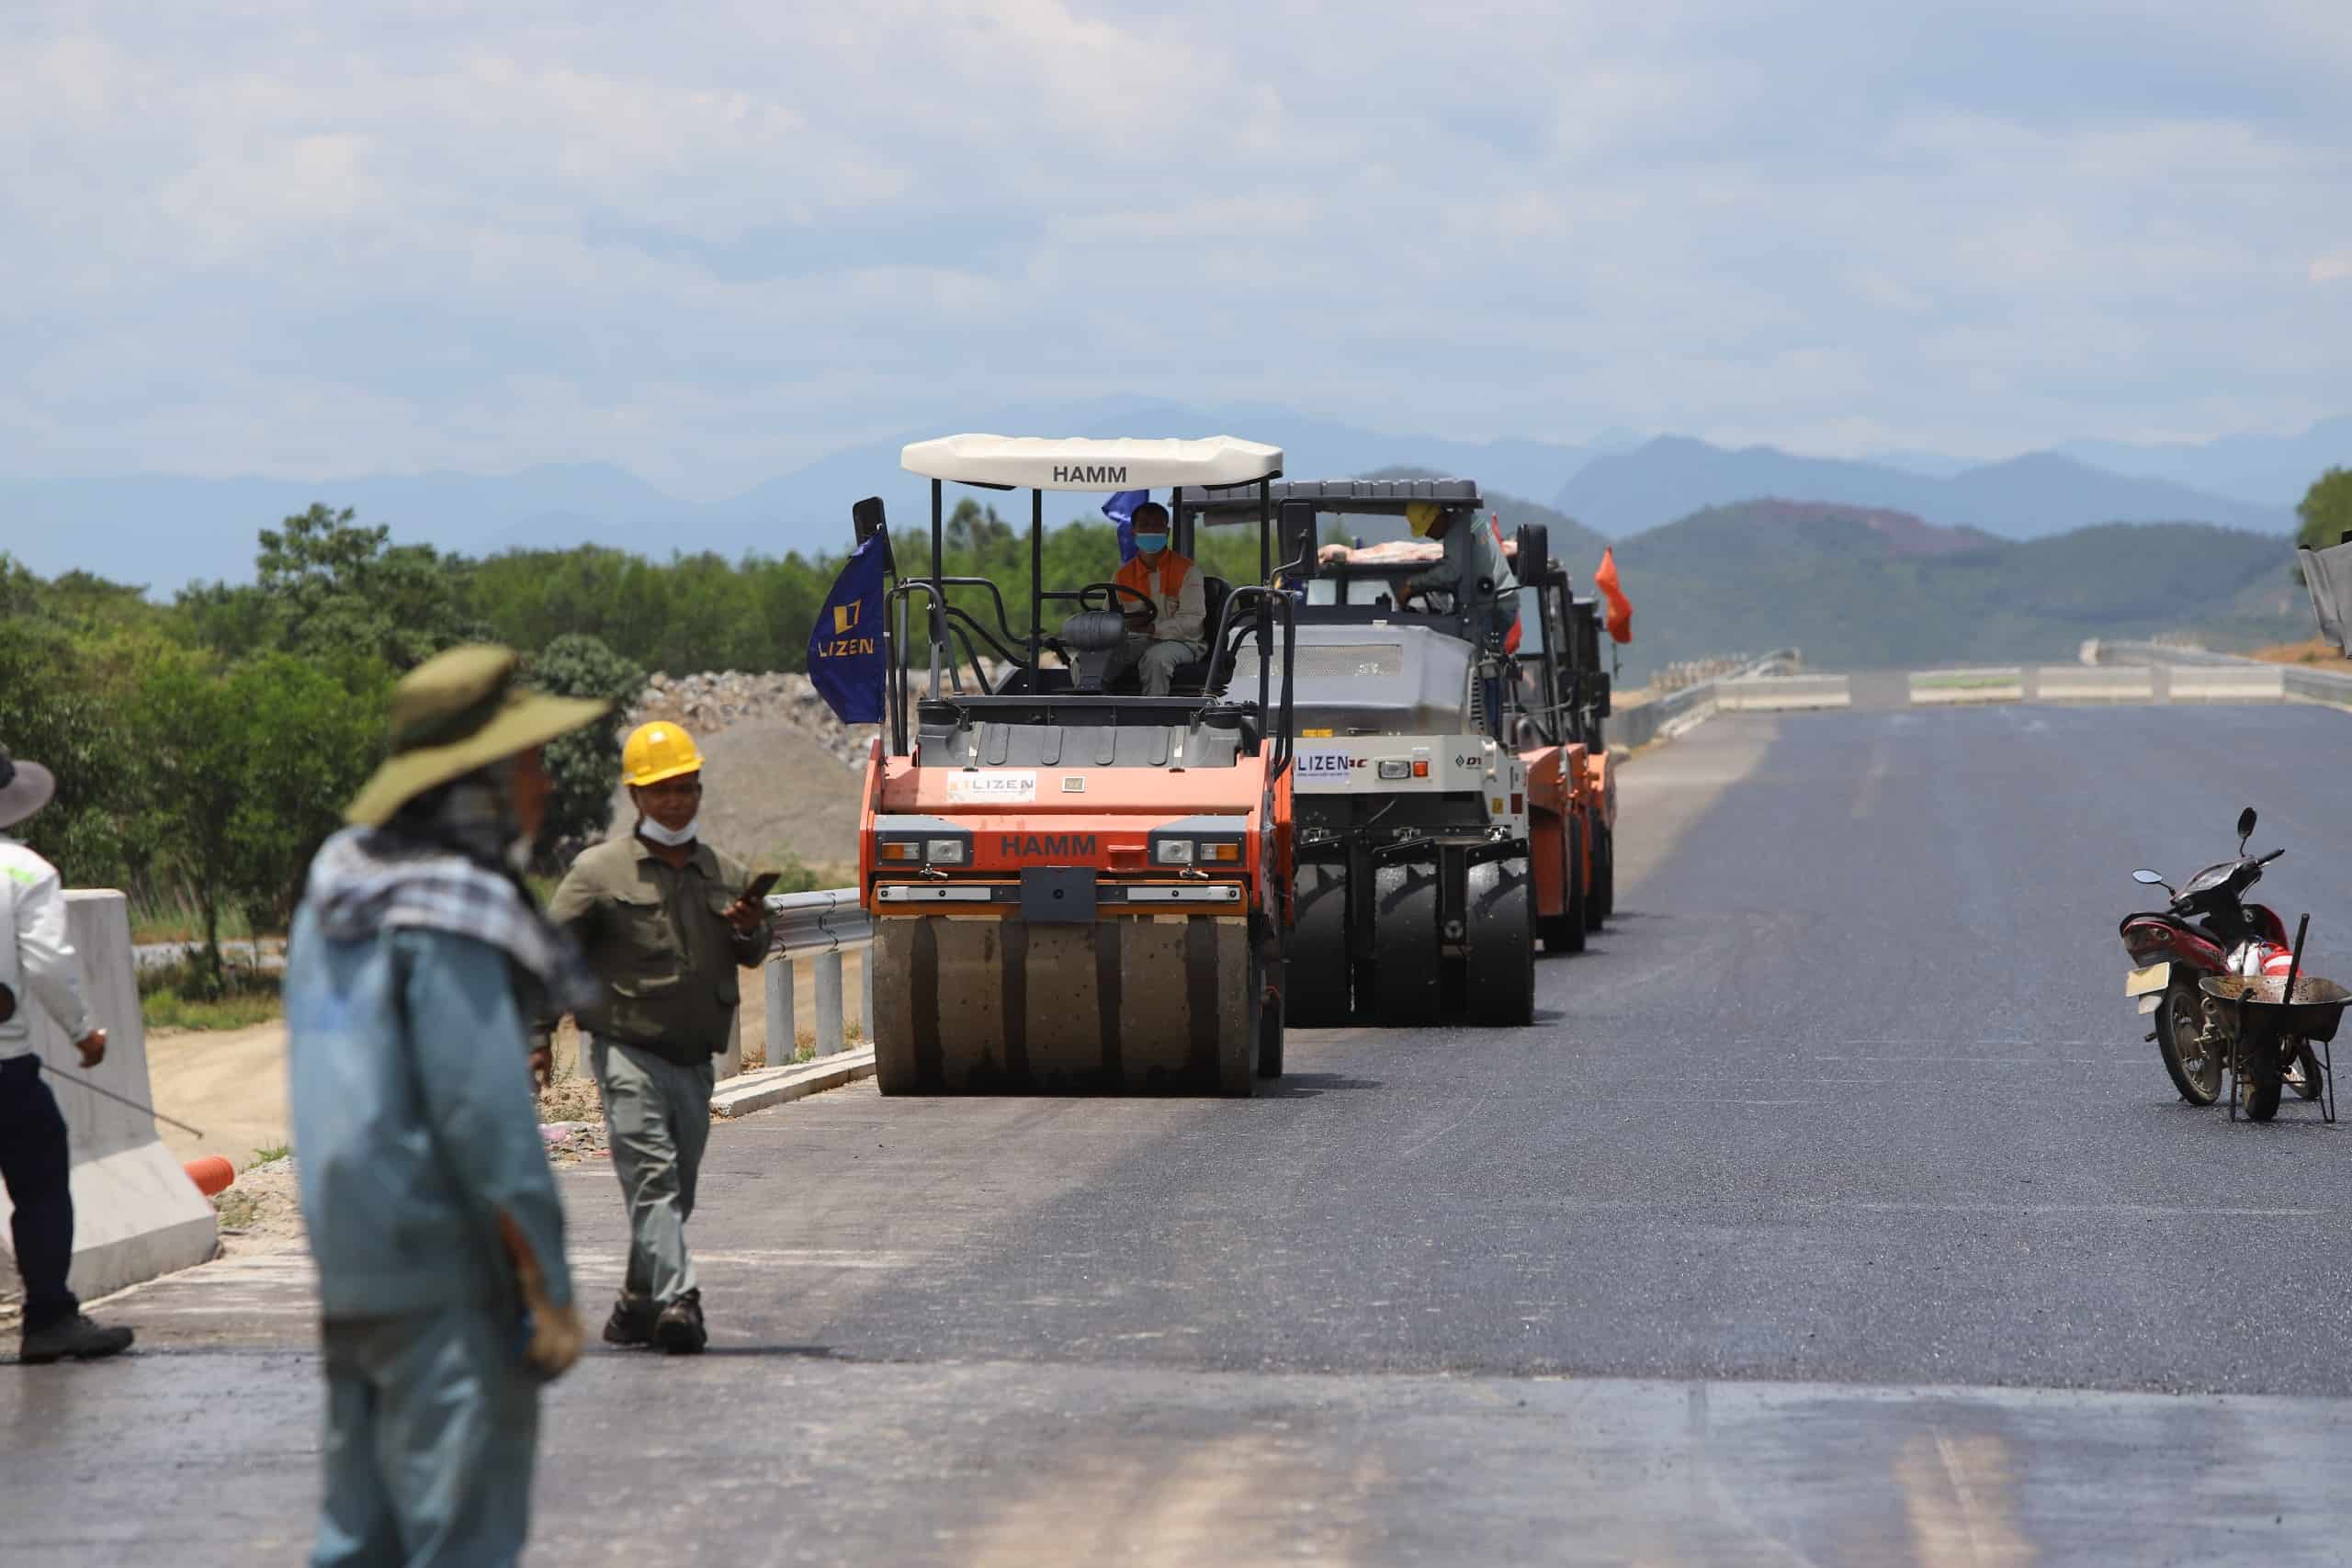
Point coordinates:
[(1470, 563), (666, 920)]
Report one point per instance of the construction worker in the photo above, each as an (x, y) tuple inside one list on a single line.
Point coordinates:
[(1469, 554), (416, 960), (37, 959), (665, 921), (1156, 644)]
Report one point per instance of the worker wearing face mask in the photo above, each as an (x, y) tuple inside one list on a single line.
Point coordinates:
[(665, 920), (1169, 633)]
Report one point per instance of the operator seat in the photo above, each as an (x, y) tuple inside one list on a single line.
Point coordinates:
[(1093, 637), (1192, 675)]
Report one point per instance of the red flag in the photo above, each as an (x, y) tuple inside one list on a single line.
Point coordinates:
[(1620, 609)]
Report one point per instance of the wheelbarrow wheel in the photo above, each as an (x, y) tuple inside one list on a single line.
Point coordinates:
[(2262, 1079)]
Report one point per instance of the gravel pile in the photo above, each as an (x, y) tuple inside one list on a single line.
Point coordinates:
[(709, 703)]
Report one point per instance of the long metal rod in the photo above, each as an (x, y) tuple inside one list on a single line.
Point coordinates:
[(1037, 580), (118, 1098)]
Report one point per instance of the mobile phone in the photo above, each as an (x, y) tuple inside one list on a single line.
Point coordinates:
[(757, 888)]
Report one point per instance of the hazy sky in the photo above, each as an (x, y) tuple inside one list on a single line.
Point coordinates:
[(711, 242)]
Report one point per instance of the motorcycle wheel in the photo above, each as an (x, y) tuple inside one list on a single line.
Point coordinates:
[(2307, 1075), (2196, 1069)]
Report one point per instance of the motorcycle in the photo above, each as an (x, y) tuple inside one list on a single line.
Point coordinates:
[(2213, 969)]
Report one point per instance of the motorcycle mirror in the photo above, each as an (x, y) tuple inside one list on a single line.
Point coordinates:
[(2246, 827), (2147, 878)]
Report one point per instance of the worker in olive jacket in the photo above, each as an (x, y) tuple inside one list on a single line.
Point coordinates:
[(665, 922)]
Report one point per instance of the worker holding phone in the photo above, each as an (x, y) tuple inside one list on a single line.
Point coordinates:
[(665, 920)]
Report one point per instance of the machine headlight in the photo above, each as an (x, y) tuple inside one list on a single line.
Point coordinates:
[(1397, 768), (1173, 851), (943, 851)]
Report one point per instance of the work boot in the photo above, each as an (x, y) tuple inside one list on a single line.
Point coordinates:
[(632, 1320), (75, 1337), (679, 1330)]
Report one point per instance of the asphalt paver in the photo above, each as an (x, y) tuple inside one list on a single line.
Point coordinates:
[(1833, 1210)]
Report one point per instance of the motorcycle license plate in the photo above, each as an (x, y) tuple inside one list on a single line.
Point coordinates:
[(2148, 982)]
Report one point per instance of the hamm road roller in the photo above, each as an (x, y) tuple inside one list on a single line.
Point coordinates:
[(1076, 888)]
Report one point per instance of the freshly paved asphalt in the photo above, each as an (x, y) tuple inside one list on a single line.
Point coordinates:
[(1834, 1211)]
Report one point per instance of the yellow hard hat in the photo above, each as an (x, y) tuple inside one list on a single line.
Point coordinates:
[(656, 751), (1422, 516)]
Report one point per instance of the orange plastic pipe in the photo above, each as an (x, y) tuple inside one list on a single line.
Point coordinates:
[(212, 1175)]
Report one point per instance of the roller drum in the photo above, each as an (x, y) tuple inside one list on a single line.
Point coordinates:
[(1154, 1004)]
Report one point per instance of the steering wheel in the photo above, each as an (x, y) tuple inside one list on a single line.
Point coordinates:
[(1149, 607)]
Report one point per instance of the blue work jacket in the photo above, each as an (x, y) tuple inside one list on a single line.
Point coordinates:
[(414, 1126)]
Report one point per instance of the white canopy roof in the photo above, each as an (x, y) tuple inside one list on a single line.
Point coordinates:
[(1028, 462)]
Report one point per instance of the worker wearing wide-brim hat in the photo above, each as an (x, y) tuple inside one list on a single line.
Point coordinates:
[(39, 967), (1472, 566), (415, 962), (666, 921)]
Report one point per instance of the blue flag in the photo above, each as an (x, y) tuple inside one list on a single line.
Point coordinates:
[(1120, 508), (845, 645)]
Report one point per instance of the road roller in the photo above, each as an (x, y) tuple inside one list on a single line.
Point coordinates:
[(1076, 888), (1446, 796)]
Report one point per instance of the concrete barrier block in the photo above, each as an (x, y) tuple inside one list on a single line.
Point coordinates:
[(1773, 694), (1953, 687), (2108, 683), (2228, 683), (136, 1214)]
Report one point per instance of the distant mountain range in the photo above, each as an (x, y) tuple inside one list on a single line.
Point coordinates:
[(1859, 588), (166, 531), (2023, 498)]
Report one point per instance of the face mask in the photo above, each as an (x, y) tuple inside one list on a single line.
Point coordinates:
[(1151, 544), (669, 838)]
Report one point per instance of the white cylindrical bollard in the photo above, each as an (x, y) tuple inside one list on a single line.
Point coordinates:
[(782, 1045), (828, 1002)]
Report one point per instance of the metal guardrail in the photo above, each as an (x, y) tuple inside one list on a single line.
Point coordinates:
[(1637, 726), (819, 925), (2317, 685)]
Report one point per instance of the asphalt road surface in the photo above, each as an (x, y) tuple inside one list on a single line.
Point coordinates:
[(1834, 1212)]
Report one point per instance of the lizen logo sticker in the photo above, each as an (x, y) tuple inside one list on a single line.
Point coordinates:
[(1323, 764), (974, 789)]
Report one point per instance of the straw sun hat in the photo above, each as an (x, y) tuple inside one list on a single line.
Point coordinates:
[(25, 789), (457, 712)]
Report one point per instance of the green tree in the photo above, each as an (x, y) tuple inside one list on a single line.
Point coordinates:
[(246, 773), (326, 584), (2326, 510), (586, 763), (55, 709)]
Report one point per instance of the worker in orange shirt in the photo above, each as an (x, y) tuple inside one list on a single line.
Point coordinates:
[(1157, 643)]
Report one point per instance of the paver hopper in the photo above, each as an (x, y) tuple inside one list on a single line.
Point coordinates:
[(1075, 887)]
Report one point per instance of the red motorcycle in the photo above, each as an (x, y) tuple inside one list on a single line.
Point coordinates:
[(2210, 932)]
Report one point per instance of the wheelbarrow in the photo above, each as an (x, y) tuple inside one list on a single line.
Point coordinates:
[(2272, 1019)]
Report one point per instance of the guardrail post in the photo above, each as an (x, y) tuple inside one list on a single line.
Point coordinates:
[(828, 1002), (782, 1037)]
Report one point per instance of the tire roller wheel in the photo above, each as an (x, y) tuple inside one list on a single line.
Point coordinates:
[(1596, 904), (1404, 945), (1501, 957), (1270, 1019), (1564, 933), (1315, 994), (1124, 1006)]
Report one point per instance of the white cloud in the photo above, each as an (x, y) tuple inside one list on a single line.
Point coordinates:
[(708, 241)]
